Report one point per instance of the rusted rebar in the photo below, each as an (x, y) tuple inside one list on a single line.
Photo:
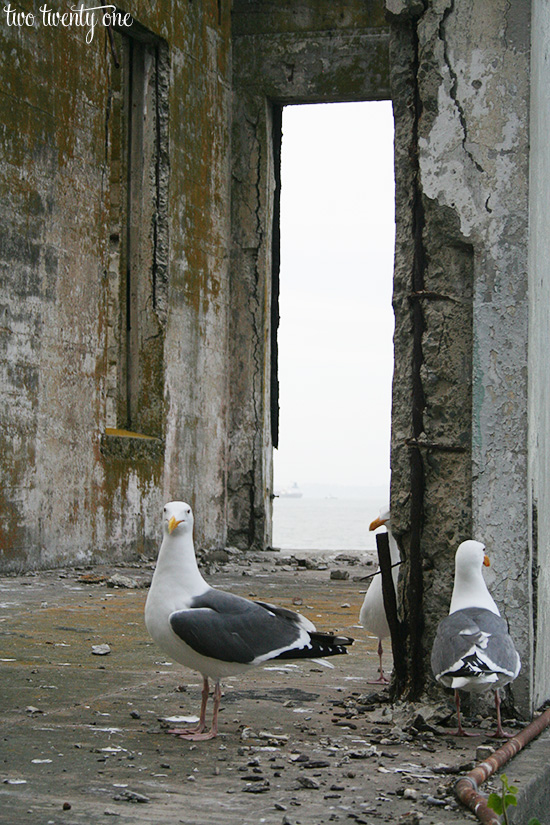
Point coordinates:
[(390, 607), (466, 788)]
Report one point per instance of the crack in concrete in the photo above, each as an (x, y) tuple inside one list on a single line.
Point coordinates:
[(413, 587), (453, 90)]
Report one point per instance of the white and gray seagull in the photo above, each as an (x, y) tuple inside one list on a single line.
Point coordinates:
[(214, 632), (473, 650), (373, 613)]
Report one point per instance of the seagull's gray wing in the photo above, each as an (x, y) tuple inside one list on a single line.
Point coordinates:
[(232, 629), (474, 643)]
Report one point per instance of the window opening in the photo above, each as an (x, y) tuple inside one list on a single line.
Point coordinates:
[(136, 138)]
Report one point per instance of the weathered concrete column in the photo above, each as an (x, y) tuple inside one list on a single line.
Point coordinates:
[(431, 454), (250, 474), (461, 97)]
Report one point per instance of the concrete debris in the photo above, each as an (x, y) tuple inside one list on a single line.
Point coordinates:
[(308, 563), (258, 788), (273, 738), (101, 650), (308, 782), (131, 796), (347, 558), (483, 752), (339, 575), (118, 580), (366, 753), (438, 803)]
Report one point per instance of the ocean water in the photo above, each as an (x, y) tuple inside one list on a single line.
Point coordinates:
[(337, 524)]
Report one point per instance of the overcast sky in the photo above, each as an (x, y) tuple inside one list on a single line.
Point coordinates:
[(335, 335)]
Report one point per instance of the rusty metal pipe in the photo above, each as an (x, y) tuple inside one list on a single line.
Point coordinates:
[(466, 788)]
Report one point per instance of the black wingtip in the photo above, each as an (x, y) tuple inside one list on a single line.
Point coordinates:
[(321, 646)]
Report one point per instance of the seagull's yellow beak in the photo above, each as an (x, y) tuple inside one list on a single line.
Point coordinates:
[(378, 522), (173, 523), (486, 561)]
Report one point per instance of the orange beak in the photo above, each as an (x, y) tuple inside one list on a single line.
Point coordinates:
[(172, 524), (486, 561), (378, 522)]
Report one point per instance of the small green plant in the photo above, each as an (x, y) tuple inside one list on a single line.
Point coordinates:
[(499, 803)]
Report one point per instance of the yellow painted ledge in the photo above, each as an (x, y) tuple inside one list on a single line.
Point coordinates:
[(126, 433), (124, 445)]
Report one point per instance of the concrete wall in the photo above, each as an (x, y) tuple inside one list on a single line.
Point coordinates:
[(463, 354), (72, 486), (539, 347)]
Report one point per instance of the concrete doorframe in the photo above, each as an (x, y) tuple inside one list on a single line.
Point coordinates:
[(274, 65)]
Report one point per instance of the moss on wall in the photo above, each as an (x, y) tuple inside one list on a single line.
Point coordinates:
[(56, 201)]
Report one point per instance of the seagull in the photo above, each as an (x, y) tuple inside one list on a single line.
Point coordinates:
[(472, 649), (214, 632), (373, 614)]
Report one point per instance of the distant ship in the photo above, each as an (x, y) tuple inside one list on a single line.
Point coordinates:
[(291, 492)]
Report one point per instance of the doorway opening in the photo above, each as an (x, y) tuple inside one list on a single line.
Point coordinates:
[(335, 336)]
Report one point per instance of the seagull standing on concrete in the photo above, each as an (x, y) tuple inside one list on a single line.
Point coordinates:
[(373, 614), (472, 649), (214, 632)]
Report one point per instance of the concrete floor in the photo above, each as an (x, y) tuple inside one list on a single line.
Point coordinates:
[(299, 744)]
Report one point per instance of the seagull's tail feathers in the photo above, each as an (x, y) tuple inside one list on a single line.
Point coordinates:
[(319, 646)]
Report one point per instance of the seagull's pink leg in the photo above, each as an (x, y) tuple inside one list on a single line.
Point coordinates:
[(213, 732), (202, 719), (382, 680), (500, 733), (460, 731)]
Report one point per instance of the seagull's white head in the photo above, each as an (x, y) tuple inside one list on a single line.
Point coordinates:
[(470, 589), (177, 517), (471, 556), (381, 520)]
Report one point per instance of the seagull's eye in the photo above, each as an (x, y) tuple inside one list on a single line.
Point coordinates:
[(189, 511)]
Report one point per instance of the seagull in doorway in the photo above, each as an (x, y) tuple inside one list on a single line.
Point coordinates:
[(373, 614)]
